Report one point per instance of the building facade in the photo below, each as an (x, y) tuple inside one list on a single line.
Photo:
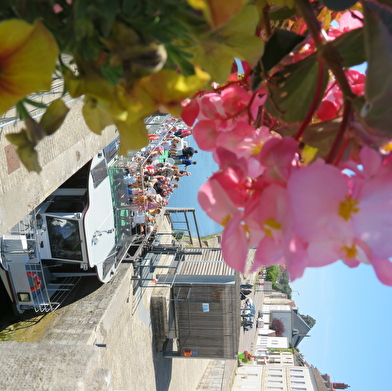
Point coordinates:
[(274, 377)]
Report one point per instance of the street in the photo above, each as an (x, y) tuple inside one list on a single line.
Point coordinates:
[(248, 339)]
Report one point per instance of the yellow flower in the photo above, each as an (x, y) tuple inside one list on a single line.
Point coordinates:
[(218, 12), (166, 88), (126, 106), (28, 54)]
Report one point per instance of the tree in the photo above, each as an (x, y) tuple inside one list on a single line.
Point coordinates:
[(309, 320), (278, 326), (272, 273)]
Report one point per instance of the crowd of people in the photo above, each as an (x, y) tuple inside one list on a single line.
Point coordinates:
[(150, 176)]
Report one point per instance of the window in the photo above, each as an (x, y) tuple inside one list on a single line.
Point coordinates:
[(64, 238), (99, 173), (68, 204)]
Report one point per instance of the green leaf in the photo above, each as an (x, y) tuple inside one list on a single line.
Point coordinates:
[(387, 2), (179, 57), (383, 12), (292, 90), (320, 135), (350, 46), (35, 103), (282, 13), (377, 110), (111, 74), (281, 43), (339, 5)]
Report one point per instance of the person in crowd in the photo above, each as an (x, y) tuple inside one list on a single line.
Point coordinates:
[(186, 153), (186, 162), (183, 133)]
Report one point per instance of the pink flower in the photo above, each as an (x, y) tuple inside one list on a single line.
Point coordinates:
[(277, 156), (343, 217), (333, 100), (234, 100), (235, 243), (205, 134), (321, 208), (57, 8), (271, 218), (347, 22), (327, 110), (217, 204), (190, 111)]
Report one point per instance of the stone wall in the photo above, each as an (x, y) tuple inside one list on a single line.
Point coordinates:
[(60, 156)]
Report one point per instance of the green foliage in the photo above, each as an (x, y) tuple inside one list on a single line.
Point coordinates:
[(294, 83), (377, 110), (272, 273), (338, 5), (309, 320), (281, 43)]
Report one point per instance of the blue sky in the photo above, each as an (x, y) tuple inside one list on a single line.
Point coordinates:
[(352, 339)]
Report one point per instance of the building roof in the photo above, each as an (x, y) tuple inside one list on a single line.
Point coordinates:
[(299, 328), (320, 381), (205, 262)]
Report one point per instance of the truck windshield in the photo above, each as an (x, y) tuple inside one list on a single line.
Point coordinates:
[(64, 238)]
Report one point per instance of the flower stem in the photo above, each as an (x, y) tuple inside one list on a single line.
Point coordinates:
[(341, 152), (338, 139), (267, 22), (307, 12)]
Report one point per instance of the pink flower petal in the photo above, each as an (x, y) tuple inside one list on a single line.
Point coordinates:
[(235, 244), (190, 111), (383, 269), (215, 202), (205, 134)]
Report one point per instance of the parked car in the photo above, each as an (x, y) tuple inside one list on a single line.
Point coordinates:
[(249, 327), (246, 286), (246, 292), (248, 312), (242, 296), (249, 309), (248, 321), (249, 304)]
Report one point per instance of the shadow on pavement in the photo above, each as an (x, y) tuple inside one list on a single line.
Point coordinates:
[(163, 369), (11, 321)]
